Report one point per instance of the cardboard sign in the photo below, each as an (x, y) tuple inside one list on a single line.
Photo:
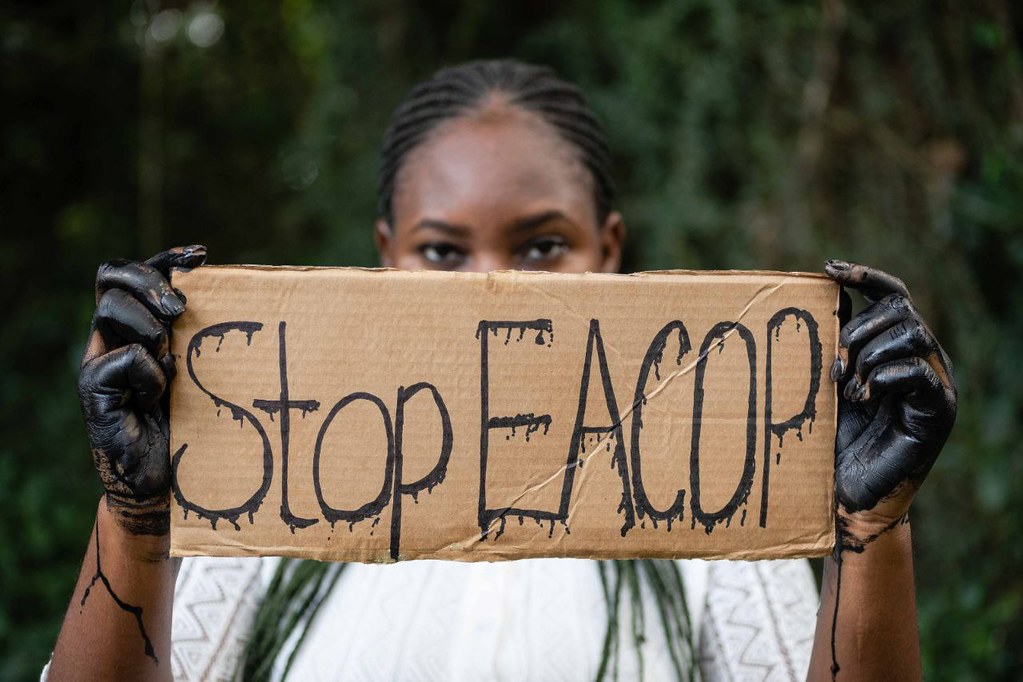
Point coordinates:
[(375, 415)]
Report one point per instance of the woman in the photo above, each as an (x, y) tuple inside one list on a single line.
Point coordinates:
[(486, 166)]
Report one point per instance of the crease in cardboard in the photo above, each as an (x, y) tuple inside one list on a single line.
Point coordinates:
[(686, 369)]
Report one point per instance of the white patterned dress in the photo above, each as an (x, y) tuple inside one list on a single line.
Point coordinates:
[(541, 619)]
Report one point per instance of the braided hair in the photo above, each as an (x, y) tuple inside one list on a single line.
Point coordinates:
[(458, 91)]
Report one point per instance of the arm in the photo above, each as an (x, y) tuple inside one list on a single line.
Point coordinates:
[(118, 623), (875, 633), (897, 404)]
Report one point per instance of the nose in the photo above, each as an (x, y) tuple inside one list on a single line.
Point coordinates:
[(490, 261)]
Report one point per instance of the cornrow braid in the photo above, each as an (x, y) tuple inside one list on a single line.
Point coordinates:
[(455, 91)]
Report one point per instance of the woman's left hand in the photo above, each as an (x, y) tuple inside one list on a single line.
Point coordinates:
[(896, 404)]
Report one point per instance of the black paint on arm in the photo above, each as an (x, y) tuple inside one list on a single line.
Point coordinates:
[(135, 611)]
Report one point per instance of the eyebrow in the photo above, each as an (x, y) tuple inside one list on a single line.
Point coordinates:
[(450, 229), (531, 222), (521, 225)]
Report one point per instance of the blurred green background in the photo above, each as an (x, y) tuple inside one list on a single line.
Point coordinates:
[(763, 134)]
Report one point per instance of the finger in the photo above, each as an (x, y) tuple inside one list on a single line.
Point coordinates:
[(142, 281), (899, 377), (862, 478), (120, 317), (908, 338), (130, 466), (179, 257), (94, 347), (873, 283), (853, 420), (860, 330), (124, 375)]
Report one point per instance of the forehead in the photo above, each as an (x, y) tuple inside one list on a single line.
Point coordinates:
[(499, 160)]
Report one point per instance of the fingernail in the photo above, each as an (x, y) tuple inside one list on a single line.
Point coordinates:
[(863, 395), (851, 389), (172, 305), (838, 265), (837, 369), (190, 256), (181, 295)]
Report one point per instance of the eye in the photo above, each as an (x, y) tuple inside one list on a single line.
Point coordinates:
[(442, 253), (544, 248)]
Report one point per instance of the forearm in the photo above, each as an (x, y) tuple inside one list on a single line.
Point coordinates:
[(118, 624), (875, 634)]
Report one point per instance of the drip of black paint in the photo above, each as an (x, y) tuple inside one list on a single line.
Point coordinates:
[(834, 616), (121, 604), (531, 421)]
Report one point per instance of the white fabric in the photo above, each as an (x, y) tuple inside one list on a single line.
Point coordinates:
[(540, 619)]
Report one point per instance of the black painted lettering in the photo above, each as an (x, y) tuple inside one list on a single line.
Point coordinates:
[(612, 430), (435, 476), (809, 411), (530, 422), (374, 507), (251, 505), (714, 339), (283, 406), (651, 361)]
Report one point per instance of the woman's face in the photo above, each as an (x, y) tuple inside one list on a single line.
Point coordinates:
[(497, 190)]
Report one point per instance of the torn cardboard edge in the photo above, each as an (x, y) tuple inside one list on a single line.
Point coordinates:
[(379, 415)]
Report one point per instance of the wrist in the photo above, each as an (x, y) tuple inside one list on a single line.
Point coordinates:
[(149, 516), (140, 530), (858, 530)]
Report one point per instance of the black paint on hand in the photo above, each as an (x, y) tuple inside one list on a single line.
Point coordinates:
[(122, 385), (897, 394)]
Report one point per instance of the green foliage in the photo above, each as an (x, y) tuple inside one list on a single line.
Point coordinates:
[(756, 135)]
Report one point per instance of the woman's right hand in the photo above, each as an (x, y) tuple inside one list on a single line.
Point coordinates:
[(125, 371)]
